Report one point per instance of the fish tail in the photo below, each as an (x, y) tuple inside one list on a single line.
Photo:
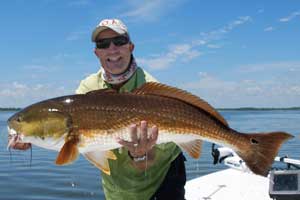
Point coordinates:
[(261, 150), (68, 153)]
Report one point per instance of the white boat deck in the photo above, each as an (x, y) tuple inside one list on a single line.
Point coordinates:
[(229, 184)]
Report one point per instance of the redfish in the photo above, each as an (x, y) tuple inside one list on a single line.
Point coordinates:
[(90, 123)]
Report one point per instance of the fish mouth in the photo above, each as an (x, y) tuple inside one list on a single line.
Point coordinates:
[(15, 141)]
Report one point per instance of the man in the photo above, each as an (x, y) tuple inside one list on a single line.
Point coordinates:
[(142, 169)]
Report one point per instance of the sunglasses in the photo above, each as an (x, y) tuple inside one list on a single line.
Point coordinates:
[(118, 41)]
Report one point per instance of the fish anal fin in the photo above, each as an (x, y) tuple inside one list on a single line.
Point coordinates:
[(154, 88), (193, 148), (99, 159), (68, 153), (110, 155)]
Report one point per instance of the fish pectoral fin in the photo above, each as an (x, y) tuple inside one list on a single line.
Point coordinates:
[(100, 159), (193, 148), (68, 153)]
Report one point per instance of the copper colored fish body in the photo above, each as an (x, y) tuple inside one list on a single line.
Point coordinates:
[(90, 123)]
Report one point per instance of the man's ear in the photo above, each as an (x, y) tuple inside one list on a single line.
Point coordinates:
[(96, 52), (131, 47)]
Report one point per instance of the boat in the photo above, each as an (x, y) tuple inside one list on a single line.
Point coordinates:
[(237, 182)]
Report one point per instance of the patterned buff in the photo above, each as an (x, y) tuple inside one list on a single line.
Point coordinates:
[(119, 78)]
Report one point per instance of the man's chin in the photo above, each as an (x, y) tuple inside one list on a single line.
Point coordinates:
[(115, 69)]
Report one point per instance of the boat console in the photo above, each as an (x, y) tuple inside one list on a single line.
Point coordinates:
[(284, 184)]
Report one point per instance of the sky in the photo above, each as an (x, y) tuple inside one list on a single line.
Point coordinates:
[(230, 53)]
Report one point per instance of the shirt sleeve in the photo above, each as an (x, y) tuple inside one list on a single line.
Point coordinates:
[(82, 88), (90, 83)]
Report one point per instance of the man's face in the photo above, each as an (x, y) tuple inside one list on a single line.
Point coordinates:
[(114, 59)]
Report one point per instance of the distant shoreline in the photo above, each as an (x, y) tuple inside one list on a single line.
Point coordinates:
[(10, 109), (258, 109), (220, 109)]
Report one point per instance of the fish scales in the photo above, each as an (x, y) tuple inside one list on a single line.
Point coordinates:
[(120, 110)]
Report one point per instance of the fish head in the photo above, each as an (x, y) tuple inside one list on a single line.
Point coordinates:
[(36, 122)]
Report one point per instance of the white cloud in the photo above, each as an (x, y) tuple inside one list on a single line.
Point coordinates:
[(240, 21), (150, 10), (189, 51), (79, 3), (179, 52), (268, 29), (77, 35), (290, 17), (278, 87), (20, 95), (214, 46), (272, 66), (34, 67), (261, 11), (246, 93)]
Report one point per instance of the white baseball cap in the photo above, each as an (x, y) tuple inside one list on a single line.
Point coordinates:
[(113, 24)]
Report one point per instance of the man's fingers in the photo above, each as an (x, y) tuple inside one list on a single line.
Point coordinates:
[(133, 133), (129, 145), (153, 136), (144, 133)]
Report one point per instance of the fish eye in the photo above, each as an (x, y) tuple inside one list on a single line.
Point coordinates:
[(19, 119)]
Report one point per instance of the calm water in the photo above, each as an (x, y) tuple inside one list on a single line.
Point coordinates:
[(44, 180)]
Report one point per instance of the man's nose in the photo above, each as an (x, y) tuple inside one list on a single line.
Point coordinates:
[(112, 46)]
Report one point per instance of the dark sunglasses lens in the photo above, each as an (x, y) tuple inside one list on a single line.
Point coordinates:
[(118, 41), (103, 44), (121, 40)]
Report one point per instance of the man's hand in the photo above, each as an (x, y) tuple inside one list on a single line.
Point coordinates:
[(140, 146)]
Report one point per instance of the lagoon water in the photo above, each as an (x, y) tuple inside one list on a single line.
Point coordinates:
[(42, 179)]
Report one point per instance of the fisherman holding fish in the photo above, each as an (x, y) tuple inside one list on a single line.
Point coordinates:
[(141, 171), (107, 122)]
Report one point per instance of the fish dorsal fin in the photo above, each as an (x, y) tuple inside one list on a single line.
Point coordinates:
[(193, 148), (101, 91), (99, 159), (154, 88)]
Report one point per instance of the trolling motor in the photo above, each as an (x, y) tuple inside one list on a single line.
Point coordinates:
[(229, 157), (219, 154)]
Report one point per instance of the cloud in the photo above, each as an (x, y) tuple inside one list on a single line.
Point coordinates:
[(269, 29), (36, 68), (179, 52), (150, 10), (273, 66), (290, 17), (240, 21), (189, 51), (245, 93), (79, 3), (260, 11), (214, 46), (77, 35), (277, 87), (18, 94)]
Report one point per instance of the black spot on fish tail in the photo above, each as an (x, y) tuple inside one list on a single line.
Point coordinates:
[(254, 141)]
